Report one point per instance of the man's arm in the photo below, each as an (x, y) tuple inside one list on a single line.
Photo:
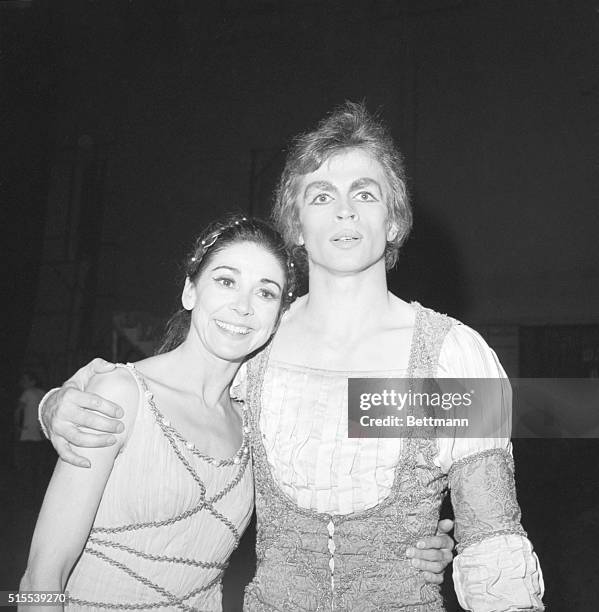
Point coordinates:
[(65, 411)]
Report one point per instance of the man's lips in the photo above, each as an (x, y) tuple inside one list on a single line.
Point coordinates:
[(346, 236)]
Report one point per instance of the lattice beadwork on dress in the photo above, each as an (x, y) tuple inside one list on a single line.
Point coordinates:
[(105, 541)]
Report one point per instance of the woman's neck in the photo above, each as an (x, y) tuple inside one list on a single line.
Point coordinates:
[(191, 369)]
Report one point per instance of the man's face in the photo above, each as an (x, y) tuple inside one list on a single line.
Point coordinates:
[(343, 213)]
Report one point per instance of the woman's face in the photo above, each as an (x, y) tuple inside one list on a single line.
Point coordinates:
[(236, 300), (343, 213)]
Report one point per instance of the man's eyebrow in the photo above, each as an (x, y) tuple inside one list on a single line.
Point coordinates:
[(319, 185), (365, 182)]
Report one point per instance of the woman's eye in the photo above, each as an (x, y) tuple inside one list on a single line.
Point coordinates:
[(322, 198), (365, 196), (267, 294), (224, 281)]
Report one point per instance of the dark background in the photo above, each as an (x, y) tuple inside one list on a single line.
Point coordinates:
[(127, 126)]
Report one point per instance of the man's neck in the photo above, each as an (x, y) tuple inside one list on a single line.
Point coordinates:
[(336, 301)]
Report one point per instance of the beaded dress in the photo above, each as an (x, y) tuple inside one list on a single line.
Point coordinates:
[(336, 515), (167, 523)]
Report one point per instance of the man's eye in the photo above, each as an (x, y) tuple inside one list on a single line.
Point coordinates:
[(224, 281), (365, 196), (322, 198)]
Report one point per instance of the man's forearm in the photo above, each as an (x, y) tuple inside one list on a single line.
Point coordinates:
[(40, 411)]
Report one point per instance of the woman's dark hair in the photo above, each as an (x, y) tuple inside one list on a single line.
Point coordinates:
[(217, 236)]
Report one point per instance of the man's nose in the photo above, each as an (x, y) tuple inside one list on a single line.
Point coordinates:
[(346, 209)]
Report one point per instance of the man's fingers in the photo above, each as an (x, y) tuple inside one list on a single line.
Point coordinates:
[(429, 566), (433, 578), (97, 422), (90, 440), (427, 554), (446, 542), (66, 453), (439, 541), (94, 402), (444, 526)]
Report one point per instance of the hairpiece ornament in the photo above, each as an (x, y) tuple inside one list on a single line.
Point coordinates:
[(290, 294), (208, 243)]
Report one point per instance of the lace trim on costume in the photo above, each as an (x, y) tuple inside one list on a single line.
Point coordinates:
[(483, 485), (241, 458), (430, 329), (475, 457)]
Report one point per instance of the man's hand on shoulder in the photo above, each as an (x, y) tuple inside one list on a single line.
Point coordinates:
[(69, 409)]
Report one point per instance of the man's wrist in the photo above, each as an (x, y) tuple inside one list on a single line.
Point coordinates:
[(40, 409)]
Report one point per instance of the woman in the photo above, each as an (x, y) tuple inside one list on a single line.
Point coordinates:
[(166, 504)]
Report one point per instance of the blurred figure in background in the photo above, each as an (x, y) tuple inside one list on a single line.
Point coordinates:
[(31, 448)]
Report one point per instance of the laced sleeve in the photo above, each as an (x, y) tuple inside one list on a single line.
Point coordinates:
[(496, 569)]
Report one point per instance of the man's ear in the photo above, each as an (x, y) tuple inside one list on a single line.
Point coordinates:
[(189, 295)]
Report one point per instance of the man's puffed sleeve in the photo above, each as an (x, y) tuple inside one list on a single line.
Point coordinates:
[(496, 569)]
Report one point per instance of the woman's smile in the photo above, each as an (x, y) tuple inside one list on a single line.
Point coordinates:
[(230, 328)]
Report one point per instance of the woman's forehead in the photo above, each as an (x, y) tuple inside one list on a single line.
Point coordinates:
[(245, 255)]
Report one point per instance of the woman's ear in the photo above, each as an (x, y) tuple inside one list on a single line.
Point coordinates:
[(392, 231), (189, 295)]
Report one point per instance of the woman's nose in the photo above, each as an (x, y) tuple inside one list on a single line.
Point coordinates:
[(242, 305)]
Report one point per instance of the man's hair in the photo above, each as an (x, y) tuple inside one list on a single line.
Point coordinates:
[(350, 126)]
